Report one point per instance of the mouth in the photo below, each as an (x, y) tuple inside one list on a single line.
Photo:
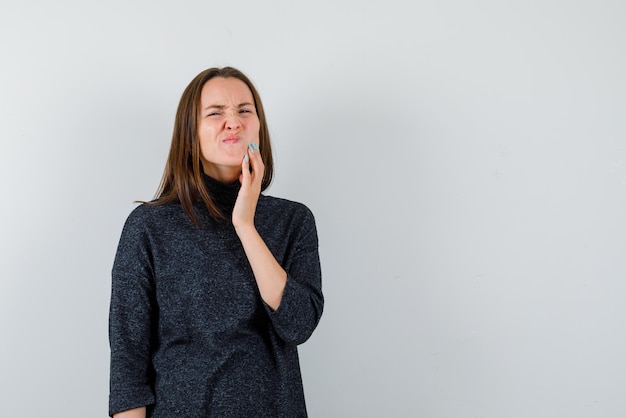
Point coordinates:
[(231, 139)]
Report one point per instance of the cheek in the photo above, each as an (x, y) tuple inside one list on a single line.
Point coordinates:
[(256, 128), (206, 134), (206, 144)]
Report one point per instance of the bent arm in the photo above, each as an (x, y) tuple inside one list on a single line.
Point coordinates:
[(291, 289), (301, 298), (302, 302)]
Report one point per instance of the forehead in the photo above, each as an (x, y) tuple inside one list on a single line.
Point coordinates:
[(225, 91)]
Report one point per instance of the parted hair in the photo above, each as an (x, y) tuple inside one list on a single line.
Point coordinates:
[(182, 178)]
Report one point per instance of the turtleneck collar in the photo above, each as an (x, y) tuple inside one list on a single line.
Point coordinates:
[(224, 195)]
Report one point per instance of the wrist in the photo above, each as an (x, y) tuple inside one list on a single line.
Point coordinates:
[(244, 228)]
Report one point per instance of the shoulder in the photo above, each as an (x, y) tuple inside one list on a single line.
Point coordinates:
[(280, 218), (148, 215), (283, 207), (144, 212)]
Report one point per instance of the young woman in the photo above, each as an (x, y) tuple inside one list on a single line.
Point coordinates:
[(214, 284)]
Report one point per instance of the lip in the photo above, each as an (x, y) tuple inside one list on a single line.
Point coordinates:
[(231, 139)]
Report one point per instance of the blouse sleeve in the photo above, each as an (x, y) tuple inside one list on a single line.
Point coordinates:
[(130, 320), (302, 303)]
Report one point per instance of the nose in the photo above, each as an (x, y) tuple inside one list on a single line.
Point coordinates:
[(232, 121)]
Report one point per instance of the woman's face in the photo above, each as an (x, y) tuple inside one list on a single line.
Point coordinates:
[(228, 124)]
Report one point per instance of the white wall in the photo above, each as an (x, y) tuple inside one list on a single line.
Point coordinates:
[(465, 162)]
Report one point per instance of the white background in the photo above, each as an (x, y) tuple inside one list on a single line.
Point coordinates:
[(466, 163)]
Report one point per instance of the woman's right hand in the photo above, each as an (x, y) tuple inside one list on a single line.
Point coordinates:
[(132, 413)]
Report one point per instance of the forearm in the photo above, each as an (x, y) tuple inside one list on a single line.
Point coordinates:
[(132, 413), (270, 276)]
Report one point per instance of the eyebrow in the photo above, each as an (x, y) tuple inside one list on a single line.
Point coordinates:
[(240, 105)]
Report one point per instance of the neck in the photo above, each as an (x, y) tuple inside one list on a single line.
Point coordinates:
[(223, 174)]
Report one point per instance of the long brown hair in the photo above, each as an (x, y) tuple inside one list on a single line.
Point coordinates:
[(182, 177)]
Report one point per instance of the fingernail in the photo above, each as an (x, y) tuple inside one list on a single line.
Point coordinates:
[(251, 146), (245, 158), (255, 146)]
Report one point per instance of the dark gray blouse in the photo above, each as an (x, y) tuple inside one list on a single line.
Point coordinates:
[(189, 333)]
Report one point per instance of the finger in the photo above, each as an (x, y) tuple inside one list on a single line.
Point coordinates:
[(256, 161), (245, 166)]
